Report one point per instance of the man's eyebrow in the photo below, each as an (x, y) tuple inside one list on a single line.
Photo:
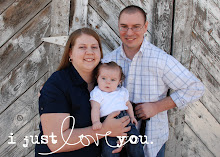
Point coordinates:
[(126, 24)]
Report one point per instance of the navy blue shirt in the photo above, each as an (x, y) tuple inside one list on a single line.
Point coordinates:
[(66, 92)]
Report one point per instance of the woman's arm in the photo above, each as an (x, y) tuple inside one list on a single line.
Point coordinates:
[(51, 122)]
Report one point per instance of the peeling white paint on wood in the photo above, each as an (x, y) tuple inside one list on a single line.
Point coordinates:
[(79, 18), (60, 40), (193, 146), (204, 125), (24, 61)]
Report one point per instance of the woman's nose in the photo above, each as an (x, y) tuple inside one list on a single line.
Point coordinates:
[(89, 51)]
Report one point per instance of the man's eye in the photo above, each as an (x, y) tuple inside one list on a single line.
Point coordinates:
[(136, 27)]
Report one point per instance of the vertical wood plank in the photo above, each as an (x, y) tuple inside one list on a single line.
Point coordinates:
[(59, 27), (78, 14), (162, 22), (181, 51)]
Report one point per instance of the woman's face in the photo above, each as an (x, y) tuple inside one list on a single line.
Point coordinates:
[(85, 54)]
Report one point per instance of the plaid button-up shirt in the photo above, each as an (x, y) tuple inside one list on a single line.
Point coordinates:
[(149, 75)]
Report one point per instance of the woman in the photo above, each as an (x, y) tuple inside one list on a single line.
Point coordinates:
[(66, 93)]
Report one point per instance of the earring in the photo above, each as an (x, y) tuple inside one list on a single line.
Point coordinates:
[(70, 60)]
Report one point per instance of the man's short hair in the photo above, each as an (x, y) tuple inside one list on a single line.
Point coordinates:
[(133, 9)]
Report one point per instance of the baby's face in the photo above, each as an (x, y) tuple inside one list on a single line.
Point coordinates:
[(108, 79)]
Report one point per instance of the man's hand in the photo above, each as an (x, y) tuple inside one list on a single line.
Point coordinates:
[(146, 110), (149, 109)]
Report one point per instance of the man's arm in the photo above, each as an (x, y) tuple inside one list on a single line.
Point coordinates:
[(150, 109)]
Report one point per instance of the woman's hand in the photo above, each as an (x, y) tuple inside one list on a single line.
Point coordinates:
[(116, 126)]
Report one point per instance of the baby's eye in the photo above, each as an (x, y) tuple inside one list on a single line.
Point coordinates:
[(103, 78)]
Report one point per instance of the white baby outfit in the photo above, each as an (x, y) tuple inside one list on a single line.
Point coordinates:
[(110, 102)]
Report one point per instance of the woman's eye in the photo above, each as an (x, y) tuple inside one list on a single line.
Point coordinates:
[(113, 79), (82, 47), (94, 47)]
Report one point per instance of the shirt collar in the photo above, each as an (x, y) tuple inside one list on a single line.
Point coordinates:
[(141, 50), (75, 77)]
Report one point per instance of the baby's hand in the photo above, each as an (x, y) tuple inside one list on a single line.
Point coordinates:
[(134, 121), (97, 125)]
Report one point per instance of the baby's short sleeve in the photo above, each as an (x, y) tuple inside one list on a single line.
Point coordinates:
[(96, 95), (125, 94)]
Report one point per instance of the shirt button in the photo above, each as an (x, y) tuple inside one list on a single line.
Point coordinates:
[(183, 101), (41, 108)]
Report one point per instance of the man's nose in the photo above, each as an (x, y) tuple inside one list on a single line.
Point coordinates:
[(130, 31)]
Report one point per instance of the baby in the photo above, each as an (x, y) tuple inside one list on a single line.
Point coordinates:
[(110, 96)]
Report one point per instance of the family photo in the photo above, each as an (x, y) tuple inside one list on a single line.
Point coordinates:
[(109, 78)]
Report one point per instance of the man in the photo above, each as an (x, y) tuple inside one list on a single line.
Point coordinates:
[(150, 72)]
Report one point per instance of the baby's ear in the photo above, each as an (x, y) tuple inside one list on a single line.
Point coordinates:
[(120, 84)]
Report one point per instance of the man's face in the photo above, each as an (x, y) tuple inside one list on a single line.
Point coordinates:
[(132, 40)]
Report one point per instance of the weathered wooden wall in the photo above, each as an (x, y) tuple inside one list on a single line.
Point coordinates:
[(188, 30), (24, 66)]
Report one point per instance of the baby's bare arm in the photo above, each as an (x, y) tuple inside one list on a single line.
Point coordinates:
[(95, 115)]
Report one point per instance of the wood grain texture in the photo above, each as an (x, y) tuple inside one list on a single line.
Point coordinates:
[(103, 29), (204, 125), (108, 11), (182, 31), (193, 146), (17, 150), (174, 145), (21, 112), (17, 15), (24, 42), (162, 31), (5, 4), (78, 14), (23, 76), (60, 12)]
